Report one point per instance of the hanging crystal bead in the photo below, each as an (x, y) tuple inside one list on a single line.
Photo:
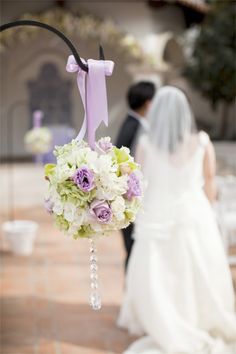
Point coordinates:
[(93, 276), (94, 285), (93, 258), (93, 267), (95, 298)]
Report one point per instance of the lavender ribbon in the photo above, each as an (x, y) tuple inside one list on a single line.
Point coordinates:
[(92, 87), (37, 118)]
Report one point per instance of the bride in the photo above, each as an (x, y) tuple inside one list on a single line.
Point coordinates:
[(179, 293)]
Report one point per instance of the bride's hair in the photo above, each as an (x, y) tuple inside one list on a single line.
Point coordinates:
[(171, 119)]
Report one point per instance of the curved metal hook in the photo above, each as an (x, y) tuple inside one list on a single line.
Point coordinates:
[(82, 65)]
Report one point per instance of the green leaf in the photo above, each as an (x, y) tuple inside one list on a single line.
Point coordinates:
[(49, 169), (121, 155)]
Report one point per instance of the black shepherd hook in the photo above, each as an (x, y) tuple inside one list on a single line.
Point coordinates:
[(82, 65)]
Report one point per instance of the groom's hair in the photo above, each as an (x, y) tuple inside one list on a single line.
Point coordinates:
[(139, 93)]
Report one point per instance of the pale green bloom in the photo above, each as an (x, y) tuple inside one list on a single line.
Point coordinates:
[(61, 223), (132, 208), (122, 155), (85, 231), (69, 192), (49, 169), (123, 158)]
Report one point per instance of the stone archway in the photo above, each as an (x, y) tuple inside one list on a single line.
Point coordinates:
[(51, 93)]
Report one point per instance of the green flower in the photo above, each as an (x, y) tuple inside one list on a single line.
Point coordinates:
[(132, 209), (122, 158), (62, 223), (121, 155), (49, 169), (69, 192), (129, 215), (85, 232)]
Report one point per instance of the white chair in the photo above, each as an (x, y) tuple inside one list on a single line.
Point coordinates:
[(226, 211)]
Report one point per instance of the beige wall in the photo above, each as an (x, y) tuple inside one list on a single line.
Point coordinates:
[(47, 47), (133, 16), (22, 62), (16, 74)]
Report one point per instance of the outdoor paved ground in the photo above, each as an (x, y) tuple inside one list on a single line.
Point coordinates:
[(44, 297), (44, 304)]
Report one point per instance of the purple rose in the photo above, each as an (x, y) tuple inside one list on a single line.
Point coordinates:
[(101, 210), (134, 189), (84, 179), (104, 145), (48, 205)]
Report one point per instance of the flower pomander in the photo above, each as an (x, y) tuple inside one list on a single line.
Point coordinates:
[(38, 140), (93, 192)]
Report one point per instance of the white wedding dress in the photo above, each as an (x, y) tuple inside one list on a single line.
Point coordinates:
[(179, 294)]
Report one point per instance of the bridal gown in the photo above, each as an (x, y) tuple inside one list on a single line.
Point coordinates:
[(179, 296)]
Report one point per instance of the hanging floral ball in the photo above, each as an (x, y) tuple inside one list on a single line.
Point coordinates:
[(93, 192), (38, 140)]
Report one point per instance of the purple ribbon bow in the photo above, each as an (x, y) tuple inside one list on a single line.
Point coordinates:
[(92, 87)]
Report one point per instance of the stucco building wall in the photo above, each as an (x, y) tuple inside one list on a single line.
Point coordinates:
[(23, 62)]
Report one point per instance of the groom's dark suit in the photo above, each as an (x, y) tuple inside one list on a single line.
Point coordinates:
[(126, 137)]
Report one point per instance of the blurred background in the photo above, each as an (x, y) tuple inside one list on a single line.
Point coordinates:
[(187, 43)]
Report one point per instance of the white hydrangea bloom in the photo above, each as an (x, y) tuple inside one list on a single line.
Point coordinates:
[(97, 227), (104, 165), (77, 222), (109, 185), (69, 212), (118, 208), (55, 199), (91, 158), (57, 207), (63, 172)]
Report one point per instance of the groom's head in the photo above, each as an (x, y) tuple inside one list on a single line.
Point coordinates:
[(139, 96)]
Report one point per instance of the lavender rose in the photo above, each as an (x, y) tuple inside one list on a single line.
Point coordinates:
[(84, 179), (101, 210), (104, 145), (134, 189)]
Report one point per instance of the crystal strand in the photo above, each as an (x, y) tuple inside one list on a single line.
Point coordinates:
[(95, 298)]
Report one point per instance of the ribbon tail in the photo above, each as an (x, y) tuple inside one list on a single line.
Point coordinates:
[(91, 138), (82, 131), (81, 82), (96, 99)]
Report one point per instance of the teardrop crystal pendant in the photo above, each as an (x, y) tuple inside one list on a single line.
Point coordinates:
[(95, 298)]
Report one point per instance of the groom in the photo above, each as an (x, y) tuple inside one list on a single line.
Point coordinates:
[(139, 97)]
